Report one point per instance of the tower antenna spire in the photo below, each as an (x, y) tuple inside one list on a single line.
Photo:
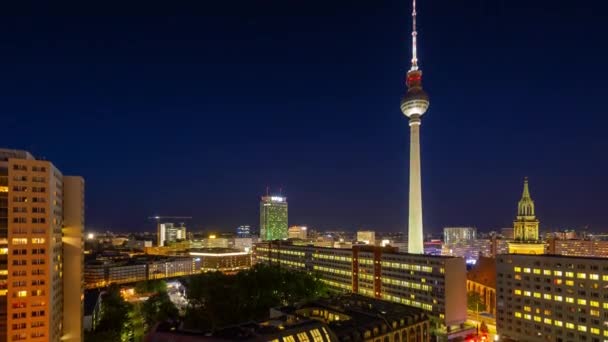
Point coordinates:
[(414, 39)]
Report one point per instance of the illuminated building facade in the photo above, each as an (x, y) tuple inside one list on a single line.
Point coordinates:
[(584, 248), (224, 260), (525, 227), (552, 298), (367, 236), (435, 284), (41, 255), (273, 218), (243, 231), (103, 273), (297, 232), (481, 279), (170, 233), (453, 235)]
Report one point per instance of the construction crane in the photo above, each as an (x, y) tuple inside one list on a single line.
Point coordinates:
[(159, 235)]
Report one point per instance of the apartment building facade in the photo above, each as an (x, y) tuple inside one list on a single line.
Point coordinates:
[(41, 225), (552, 298)]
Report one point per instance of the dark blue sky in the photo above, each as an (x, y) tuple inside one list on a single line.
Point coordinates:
[(194, 110)]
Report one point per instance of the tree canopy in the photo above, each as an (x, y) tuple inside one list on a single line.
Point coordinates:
[(215, 299)]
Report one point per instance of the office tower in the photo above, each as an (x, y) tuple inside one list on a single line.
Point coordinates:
[(452, 235), (367, 236), (170, 232), (273, 218), (437, 284), (243, 231), (41, 238), (552, 298), (413, 105), (525, 227)]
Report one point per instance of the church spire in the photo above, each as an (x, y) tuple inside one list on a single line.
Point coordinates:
[(525, 207)]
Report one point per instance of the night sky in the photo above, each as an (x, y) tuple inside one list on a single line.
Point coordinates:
[(195, 110)]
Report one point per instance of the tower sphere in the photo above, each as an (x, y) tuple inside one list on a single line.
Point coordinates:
[(415, 102)]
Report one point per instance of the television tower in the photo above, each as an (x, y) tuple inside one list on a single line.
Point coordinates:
[(413, 105)]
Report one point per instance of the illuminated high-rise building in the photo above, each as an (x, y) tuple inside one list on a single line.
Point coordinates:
[(413, 105), (243, 231), (273, 218), (170, 232), (41, 256), (525, 227)]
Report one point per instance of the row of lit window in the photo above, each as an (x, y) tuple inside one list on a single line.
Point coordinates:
[(409, 302), (332, 270), (23, 241), (338, 285), (331, 257), (558, 298), (407, 284), (409, 267), (568, 274), (557, 323)]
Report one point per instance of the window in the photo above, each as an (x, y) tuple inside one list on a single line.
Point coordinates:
[(19, 262), (20, 199), (19, 241), (20, 294), (38, 189), (19, 220), (38, 313), (19, 315), (19, 188), (37, 241), (19, 167)]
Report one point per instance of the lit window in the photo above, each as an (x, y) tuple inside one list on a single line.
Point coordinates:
[(569, 300), (581, 301), (536, 271), (518, 314), (517, 292), (527, 270), (548, 321), (582, 328), (547, 296), (559, 298), (569, 325), (581, 275), (557, 273), (19, 241), (570, 274), (594, 303), (38, 240), (595, 331), (528, 316), (537, 319), (594, 276), (536, 295), (517, 269), (559, 323), (527, 293), (547, 272), (22, 294)]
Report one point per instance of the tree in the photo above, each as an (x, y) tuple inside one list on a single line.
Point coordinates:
[(475, 301), (159, 308), (114, 323), (151, 286), (216, 300)]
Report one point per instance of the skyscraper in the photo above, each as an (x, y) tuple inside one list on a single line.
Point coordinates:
[(525, 227), (41, 257), (413, 105), (273, 218)]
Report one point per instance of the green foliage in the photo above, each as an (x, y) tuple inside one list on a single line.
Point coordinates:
[(151, 286), (158, 308), (114, 324), (216, 299), (475, 301)]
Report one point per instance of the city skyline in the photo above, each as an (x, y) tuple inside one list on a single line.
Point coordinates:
[(200, 125)]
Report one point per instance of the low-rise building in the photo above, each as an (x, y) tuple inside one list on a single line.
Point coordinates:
[(584, 248), (481, 279), (224, 260)]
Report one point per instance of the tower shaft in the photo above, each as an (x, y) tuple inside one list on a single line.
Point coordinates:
[(415, 235)]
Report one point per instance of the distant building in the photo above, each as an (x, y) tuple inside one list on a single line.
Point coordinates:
[(170, 233), (581, 248), (525, 227), (223, 260), (507, 233), (433, 247), (367, 236), (273, 218), (551, 298), (243, 231), (452, 235), (298, 232), (102, 273)]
